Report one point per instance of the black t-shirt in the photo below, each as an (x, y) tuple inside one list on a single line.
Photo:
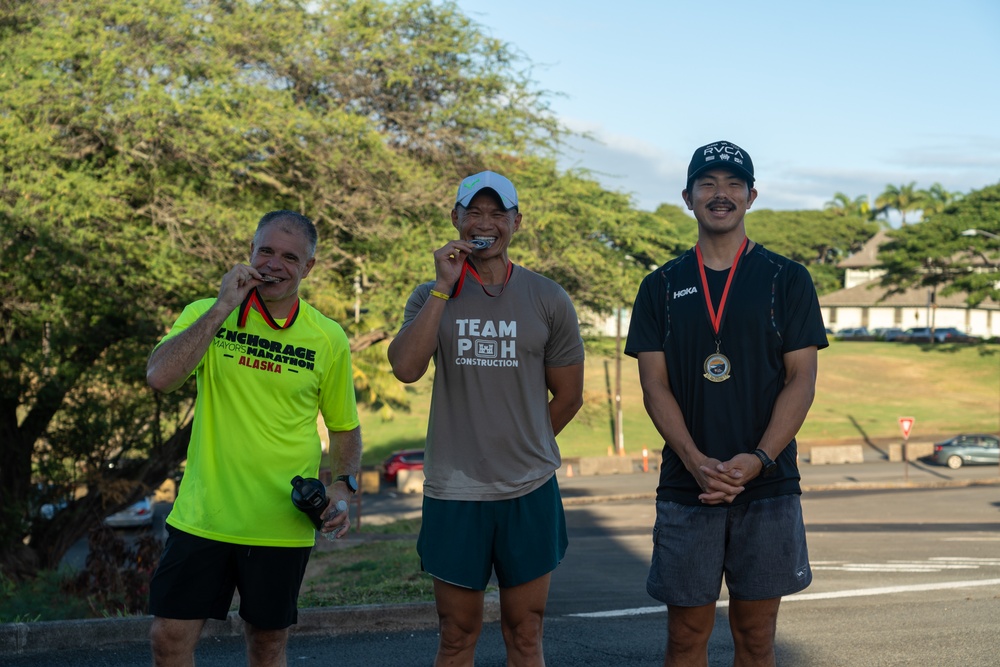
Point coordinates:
[(771, 310)]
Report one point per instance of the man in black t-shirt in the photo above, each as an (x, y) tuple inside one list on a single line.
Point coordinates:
[(726, 336)]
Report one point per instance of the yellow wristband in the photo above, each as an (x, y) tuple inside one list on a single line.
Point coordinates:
[(440, 295)]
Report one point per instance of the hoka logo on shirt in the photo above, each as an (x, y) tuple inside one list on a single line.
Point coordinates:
[(486, 343), (684, 292)]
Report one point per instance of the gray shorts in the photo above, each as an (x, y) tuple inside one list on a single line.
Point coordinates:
[(759, 546)]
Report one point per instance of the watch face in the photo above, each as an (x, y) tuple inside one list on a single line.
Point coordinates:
[(350, 481)]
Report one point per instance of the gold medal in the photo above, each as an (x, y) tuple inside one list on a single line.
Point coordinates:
[(717, 367)]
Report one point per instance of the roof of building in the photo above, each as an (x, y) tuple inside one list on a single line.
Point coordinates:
[(871, 294), (867, 257)]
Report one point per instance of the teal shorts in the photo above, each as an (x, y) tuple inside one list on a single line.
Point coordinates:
[(462, 542)]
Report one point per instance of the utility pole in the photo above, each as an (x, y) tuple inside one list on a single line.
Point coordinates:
[(619, 434), (357, 298)]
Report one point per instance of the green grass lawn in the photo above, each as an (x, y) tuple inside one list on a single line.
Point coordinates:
[(862, 390)]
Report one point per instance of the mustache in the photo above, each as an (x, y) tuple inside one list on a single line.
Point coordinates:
[(720, 201)]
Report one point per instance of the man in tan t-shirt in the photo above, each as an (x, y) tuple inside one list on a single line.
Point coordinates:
[(503, 339)]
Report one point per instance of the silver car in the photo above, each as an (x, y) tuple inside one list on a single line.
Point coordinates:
[(968, 449), (134, 516)]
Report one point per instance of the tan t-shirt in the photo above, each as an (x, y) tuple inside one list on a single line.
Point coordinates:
[(489, 436)]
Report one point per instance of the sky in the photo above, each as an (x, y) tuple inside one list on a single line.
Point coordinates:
[(826, 97)]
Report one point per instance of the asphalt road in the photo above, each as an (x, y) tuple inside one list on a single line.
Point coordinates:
[(908, 575)]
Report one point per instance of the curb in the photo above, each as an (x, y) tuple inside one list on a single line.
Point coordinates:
[(894, 484), (25, 639), (806, 488)]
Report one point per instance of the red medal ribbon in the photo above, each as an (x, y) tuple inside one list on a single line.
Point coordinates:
[(468, 268), (716, 318), (253, 300)]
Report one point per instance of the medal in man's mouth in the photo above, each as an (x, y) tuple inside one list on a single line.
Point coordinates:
[(270, 279)]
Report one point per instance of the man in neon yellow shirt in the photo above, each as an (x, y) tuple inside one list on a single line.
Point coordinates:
[(265, 363)]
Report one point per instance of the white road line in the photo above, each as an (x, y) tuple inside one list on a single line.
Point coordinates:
[(971, 539), (896, 567), (890, 590), (933, 564), (857, 592)]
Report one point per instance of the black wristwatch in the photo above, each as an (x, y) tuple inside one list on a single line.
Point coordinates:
[(349, 480), (768, 467)]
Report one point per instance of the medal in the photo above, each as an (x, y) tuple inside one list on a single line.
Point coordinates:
[(468, 268), (717, 365), (254, 302)]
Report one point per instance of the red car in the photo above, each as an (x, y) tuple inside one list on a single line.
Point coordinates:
[(406, 459)]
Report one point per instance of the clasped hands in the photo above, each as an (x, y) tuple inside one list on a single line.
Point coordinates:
[(722, 481)]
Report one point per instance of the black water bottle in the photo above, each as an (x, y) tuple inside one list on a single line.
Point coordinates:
[(309, 495)]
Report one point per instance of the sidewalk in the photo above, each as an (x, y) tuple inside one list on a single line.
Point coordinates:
[(25, 639)]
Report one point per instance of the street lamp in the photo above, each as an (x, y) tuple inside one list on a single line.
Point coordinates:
[(979, 232)]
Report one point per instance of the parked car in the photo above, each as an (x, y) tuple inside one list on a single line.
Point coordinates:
[(854, 333), (953, 335), (967, 449), (404, 459), (47, 500), (887, 333), (136, 515), (941, 335)]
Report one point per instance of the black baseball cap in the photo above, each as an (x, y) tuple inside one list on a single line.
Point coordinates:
[(721, 155)]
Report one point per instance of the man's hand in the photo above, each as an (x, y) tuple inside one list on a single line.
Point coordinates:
[(448, 262), (336, 518), (721, 482), (236, 284), (727, 479)]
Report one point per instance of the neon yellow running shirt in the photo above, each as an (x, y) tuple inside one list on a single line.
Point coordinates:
[(259, 392)]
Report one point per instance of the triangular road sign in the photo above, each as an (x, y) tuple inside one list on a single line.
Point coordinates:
[(905, 425)]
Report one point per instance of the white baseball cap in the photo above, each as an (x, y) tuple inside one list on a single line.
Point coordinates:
[(471, 185)]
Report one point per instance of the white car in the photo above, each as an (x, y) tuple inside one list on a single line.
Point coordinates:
[(135, 515)]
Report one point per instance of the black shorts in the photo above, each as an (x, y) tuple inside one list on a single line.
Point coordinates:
[(196, 579)]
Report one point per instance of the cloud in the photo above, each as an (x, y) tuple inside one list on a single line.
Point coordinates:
[(653, 175), (626, 164)]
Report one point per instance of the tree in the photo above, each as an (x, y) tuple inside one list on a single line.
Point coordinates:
[(139, 145), (575, 231), (903, 198), (817, 239), (935, 254), (841, 204), (936, 199)]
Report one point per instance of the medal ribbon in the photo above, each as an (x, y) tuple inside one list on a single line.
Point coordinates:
[(716, 318), (253, 300), (468, 268)]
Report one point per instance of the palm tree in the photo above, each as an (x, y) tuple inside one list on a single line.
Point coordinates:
[(844, 205), (936, 198), (904, 198)]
